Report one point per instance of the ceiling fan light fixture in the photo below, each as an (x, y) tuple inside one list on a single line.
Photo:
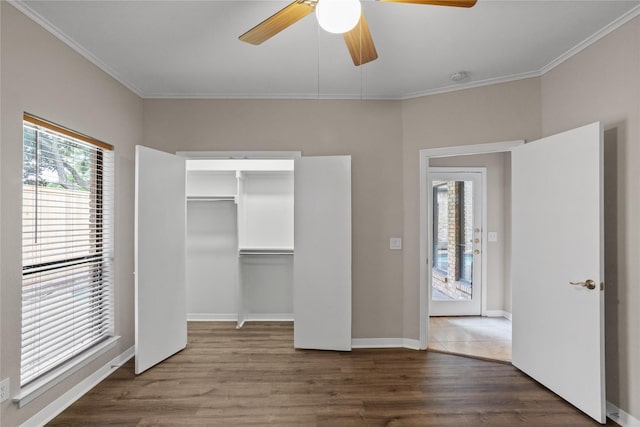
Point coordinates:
[(338, 16)]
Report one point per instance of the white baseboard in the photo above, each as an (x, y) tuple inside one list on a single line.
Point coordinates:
[(385, 343), (212, 317), (233, 317), (53, 409), (269, 317), (412, 344), (497, 313), (621, 417)]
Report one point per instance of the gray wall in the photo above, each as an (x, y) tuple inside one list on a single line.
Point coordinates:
[(370, 131), (42, 76), (502, 112)]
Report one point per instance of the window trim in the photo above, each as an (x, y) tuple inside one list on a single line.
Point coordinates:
[(39, 385), (65, 131)]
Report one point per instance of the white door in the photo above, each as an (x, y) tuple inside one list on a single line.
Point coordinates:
[(557, 240), (322, 255), (160, 230), (456, 219)]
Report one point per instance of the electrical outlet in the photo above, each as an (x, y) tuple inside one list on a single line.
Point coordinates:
[(4, 390)]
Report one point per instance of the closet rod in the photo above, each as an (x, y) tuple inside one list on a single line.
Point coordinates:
[(264, 253), (210, 199)]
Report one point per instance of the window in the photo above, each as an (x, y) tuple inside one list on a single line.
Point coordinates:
[(440, 227), (464, 257), (67, 246), (453, 230)]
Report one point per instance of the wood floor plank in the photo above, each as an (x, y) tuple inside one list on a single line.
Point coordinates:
[(254, 377)]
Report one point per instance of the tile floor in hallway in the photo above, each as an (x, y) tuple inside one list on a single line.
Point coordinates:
[(484, 337)]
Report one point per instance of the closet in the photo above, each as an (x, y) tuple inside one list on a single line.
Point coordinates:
[(222, 238), (239, 245)]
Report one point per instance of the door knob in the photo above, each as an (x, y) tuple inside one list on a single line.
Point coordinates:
[(477, 252), (589, 284)]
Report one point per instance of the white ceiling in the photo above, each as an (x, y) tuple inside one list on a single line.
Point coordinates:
[(190, 49)]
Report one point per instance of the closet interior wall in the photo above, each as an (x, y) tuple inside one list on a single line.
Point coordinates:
[(239, 244), (212, 260)]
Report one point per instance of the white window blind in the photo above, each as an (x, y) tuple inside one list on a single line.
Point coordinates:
[(67, 246)]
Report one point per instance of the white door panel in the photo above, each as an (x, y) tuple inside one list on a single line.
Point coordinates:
[(557, 238), (322, 254), (160, 233)]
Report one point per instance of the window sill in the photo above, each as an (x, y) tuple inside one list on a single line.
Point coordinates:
[(33, 390)]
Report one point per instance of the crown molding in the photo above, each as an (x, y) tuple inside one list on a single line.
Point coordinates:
[(291, 96), (48, 26), (24, 8), (471, 85), (633, 13)]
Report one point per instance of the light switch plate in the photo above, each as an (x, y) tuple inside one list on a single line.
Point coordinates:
[(395, 243), (493, 236)]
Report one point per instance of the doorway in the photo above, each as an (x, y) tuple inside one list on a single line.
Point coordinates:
[(457, 224), (569, 269), (445, 157), (467, 306)]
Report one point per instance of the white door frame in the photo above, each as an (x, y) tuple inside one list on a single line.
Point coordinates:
[(215, 154), (426, 233), (482, 171)]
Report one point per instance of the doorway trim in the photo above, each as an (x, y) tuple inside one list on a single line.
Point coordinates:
[(482, 172), (248, 154), (426, 234)]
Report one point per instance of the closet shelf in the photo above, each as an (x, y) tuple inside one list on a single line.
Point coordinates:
[(265, 251), (218, 198)]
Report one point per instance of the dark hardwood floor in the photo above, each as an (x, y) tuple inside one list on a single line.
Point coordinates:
[(254, 377)]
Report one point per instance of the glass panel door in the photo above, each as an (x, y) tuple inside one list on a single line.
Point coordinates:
[(456, 259)]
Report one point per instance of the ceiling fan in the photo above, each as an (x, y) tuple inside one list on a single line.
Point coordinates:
[(336, 16)]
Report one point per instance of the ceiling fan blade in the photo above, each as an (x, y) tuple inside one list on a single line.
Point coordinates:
[(360, 43), (278, 22), (455, 3)]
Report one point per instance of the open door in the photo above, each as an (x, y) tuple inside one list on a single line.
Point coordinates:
[(557, 265), (322, 255), (160, 279)]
